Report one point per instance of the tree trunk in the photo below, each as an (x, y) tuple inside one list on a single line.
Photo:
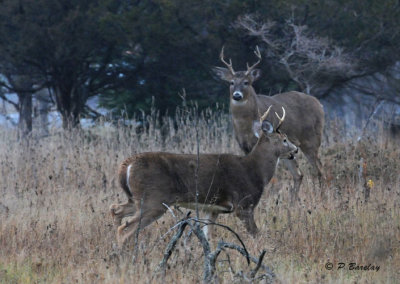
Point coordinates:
[(25, 113), (42, 111), (23, 85), (70, 106), (69, 120)]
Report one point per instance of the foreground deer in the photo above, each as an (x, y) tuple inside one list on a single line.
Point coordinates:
[(226, 183), (303, 124)]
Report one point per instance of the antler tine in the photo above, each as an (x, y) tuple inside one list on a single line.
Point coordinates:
[(258, 54), (229, 65), (281, 119), (264, 116)]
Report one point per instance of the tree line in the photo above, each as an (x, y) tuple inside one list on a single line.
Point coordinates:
[(127, 52)]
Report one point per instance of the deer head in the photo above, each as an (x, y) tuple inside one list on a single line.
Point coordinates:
[(273, 137), (241, 81)]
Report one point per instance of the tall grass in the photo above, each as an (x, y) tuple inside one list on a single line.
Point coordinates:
[(55, 193)]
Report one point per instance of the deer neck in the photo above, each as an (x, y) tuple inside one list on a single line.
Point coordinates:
[(243, 117), (263, 160), (246, 108)]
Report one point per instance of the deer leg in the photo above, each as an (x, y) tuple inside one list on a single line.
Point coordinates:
[(247, 217), (121, 234), (212, 216), (143, 219), (293, 167), (313, 159), (119, 211)]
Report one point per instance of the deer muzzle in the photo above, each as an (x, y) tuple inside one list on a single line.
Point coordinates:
[(237, 96), (293, 153)]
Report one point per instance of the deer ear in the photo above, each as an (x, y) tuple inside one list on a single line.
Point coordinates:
[(255, 74), (223, 73), (267, 127), (256, 128)]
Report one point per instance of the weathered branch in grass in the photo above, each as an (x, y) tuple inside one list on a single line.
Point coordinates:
[(208, 269), (172, 244), (230, 230), (210, 257), (252, 258), (170, 211), (259, 263)]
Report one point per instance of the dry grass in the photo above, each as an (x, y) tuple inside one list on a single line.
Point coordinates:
[(55, 226)]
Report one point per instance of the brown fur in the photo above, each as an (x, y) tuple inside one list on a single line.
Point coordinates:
[(226, 183), (303, 125)]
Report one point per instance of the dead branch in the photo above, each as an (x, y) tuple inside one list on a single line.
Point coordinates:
[(230, 230), (311, 61), (210, 257), (259, 263), (172, 244), (377, 105), (3, 97)]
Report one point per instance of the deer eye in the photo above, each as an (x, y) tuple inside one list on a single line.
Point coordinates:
[(232, 83), (246, 83)]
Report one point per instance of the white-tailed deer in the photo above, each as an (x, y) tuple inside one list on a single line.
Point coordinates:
[(303, 124), (226, 183)]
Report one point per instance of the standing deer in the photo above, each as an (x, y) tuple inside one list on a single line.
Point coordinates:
[(226, 183), (303, 124)]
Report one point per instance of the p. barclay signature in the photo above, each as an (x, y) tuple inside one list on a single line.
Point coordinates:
[(355, 266), (352, 266)]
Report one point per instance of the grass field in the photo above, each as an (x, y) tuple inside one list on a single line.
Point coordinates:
[(55, 225)]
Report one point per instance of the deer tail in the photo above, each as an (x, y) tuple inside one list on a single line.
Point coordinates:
[(124, 173)]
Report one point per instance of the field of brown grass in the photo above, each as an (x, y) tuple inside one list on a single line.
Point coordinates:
[(55, 225)]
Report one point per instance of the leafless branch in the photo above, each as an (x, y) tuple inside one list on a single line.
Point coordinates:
[(230, 230), (8, 118), (3, 97), (172, 244), (16, 89), (259, 263), (309, 60), (170, 210), (210, 257), (93, 113), (377, 105)]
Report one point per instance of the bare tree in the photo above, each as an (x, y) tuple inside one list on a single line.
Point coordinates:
[(384, 87), (22, 85), (313, 62)]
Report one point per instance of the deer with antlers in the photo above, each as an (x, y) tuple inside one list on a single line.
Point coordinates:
[(226, 183), (303, 124)]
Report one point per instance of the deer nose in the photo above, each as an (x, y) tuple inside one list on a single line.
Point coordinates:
[(237, 96), (296, 151)]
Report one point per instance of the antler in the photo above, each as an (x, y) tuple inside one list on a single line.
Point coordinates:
[(258, 54), (264, 116), (221, 56), (281, 119)]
